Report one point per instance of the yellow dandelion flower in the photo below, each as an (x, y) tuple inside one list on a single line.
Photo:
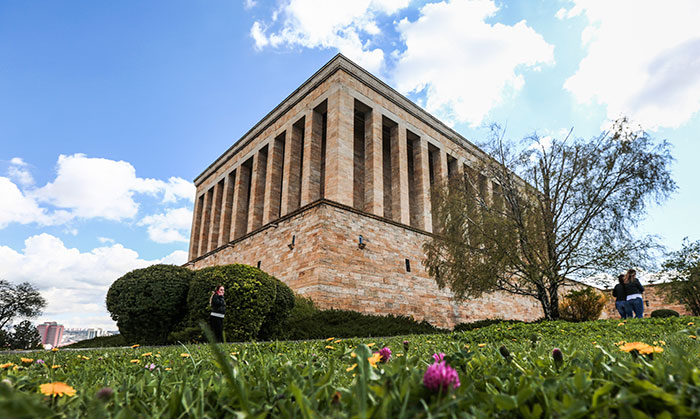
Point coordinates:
[(466, 346), (157, 355), (337, 341), (370, 344), (594, 343), (481, 345), (351, 368), (621, 324), (185, 355), (53, 367), (662, 342), (135, 346), (692, 336), (641, 347), (7, 365), (329, 339), (234, 353), (147, 354), (515, 340), (135, 361), (399, 355), (168, 369), (54, 349), (690, 323), (57, 389), (354, 355), (26, 360), (622, 342), (376, 357), (329, 347)]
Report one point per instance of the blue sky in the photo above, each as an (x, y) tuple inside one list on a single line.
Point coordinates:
[(108, 110)]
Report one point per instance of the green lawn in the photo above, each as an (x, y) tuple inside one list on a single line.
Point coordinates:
[(334, 377)]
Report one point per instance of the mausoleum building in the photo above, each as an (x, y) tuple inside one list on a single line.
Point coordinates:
[(330, 192)]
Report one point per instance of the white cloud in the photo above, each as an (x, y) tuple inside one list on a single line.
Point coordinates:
[(74, 283), (104, 240), (17, 207), (642, 59), (88, 188), (249, 4), (102, 188), (328, 24), (465, 65), (19, 172), (171, 226), (18, 161), (178, 188)]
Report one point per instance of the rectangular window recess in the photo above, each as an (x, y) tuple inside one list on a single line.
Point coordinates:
[(258, 264), (408, 265)]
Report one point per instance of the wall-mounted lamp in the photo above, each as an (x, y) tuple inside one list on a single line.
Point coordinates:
[(361, 243), (291, 245)]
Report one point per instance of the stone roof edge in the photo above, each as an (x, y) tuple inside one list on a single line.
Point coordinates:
[(340, 62)]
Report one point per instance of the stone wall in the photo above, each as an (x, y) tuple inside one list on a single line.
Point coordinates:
[(327, 265)]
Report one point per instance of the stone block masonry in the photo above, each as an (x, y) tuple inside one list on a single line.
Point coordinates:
[(343, 156)]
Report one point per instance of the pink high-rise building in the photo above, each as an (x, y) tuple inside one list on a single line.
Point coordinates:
[(51, 333)]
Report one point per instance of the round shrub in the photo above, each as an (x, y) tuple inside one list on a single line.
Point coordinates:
[(250, 297), (279, 312), (582, 305), (664, 312), (148, 303)]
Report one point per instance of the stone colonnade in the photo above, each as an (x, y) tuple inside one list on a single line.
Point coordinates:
[(346, 150)]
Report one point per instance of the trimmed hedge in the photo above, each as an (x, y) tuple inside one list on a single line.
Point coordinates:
[(664, 312), (101, 342), (148, 303), (307, 322)]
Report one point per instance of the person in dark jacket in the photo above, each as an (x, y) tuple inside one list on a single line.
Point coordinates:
[(218, 310), (621, 298), (634, 290)]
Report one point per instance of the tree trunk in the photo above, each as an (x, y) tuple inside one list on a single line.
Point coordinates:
[(554, 301), (545, 302)]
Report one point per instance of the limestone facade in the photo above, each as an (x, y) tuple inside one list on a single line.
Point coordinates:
[(330, 192)]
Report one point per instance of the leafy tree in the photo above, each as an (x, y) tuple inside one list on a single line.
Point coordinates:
[(21, 300), (553, 212), (683, 271), (148, 303), (25, 336)]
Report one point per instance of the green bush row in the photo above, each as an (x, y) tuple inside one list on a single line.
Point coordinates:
[(166, 303), (308, 322)]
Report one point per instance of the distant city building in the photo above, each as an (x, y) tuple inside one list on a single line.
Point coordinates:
[(76, 335), (51, 333)]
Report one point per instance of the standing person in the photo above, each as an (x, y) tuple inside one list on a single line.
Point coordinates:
[(634, 290), (621, 298), (218, 309)]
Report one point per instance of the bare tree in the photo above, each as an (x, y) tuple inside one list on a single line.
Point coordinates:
[(528, 219)]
